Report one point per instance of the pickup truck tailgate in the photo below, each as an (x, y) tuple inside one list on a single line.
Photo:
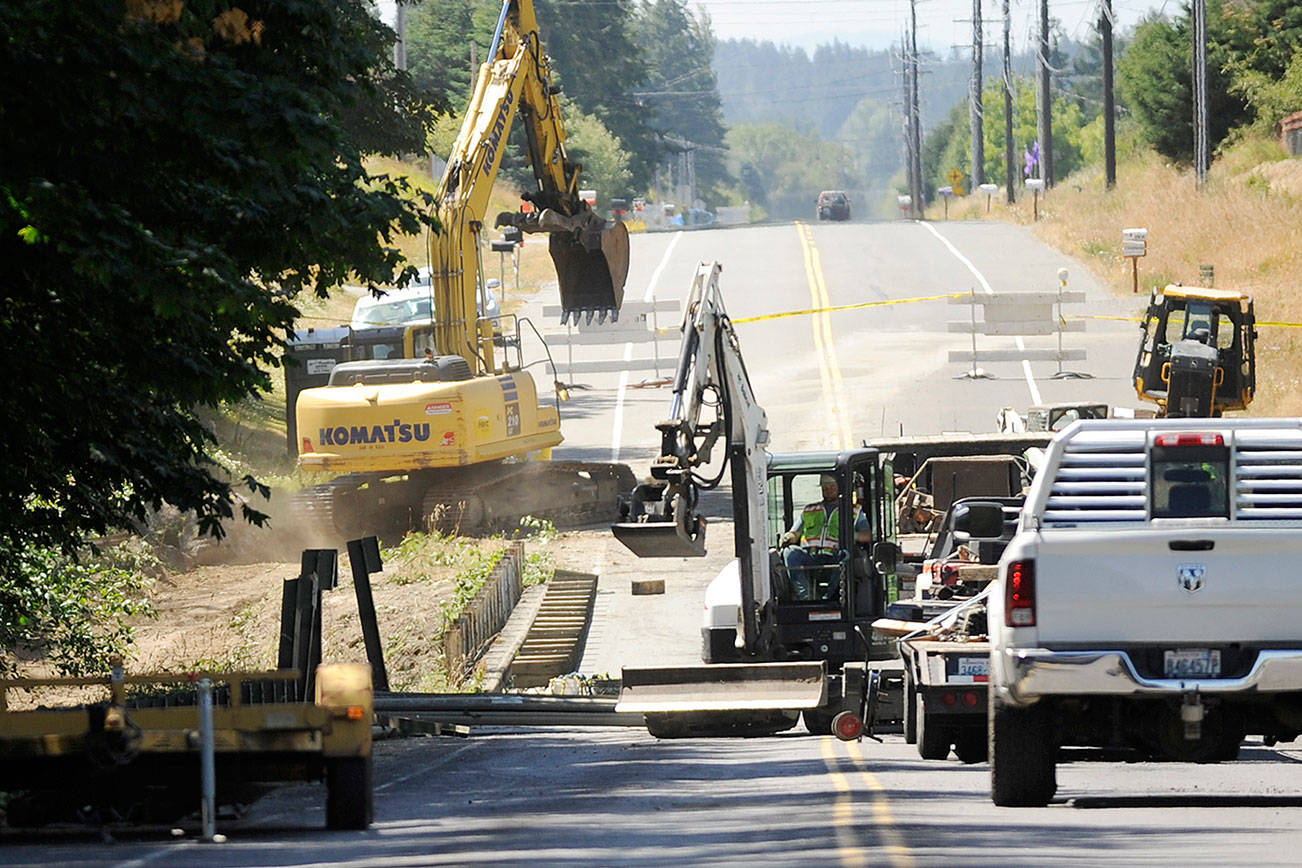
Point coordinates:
[(1188, 586)]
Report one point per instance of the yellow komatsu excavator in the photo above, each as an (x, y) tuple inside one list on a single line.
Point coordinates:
[(442, 438), (1196, 356)]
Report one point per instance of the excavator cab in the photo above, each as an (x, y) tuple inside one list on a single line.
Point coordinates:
[(1196, 356)]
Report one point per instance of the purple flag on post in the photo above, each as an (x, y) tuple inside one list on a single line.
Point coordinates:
[(1032, 157)]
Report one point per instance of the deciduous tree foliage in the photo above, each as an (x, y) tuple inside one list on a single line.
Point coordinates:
[(599, 67), (174, 174), (682, 94)]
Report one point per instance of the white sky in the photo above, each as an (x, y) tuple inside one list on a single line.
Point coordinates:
[(878, 23)]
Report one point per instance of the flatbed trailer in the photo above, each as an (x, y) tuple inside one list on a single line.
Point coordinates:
[(946, 659), (134, 755)]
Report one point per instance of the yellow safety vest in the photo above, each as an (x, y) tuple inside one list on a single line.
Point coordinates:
[(820, 531)]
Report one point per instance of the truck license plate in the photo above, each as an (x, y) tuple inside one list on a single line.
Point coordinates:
[(1193, 663), (974, 666)]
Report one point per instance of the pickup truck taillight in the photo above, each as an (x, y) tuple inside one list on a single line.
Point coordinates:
[(1019, 594)]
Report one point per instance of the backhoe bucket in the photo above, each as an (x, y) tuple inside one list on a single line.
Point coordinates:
[(660, 539), (591, 272), (724, 687)]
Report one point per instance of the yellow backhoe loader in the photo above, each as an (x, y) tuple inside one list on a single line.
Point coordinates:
[(444, 438), (1196, 355)]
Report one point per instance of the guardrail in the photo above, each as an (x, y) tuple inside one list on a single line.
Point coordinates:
[(469, 636)]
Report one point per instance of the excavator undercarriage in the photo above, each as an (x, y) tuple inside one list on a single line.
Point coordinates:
[(474, 500)]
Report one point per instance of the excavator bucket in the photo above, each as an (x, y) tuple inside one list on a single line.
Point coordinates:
[(724, 687), (591, 272), (661, 539)]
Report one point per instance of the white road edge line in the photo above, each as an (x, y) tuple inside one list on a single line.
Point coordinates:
[(617, 430), (985, 287)]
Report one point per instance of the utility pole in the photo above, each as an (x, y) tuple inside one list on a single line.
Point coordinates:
[(1109, 98), (1046, 104), (400, 45), (915, 130), (906, 104), (976, 111), (1202, 151), (1010, 174)]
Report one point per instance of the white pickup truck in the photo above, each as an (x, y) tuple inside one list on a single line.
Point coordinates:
[(1150, 601)]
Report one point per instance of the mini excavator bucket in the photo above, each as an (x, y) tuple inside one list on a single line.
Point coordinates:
[(661, 539), (591, 271)]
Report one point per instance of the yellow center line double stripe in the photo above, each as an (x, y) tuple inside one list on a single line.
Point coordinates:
[(845, 820), (829, 369)]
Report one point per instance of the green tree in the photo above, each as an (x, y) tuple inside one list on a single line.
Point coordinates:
[(782, 170), (949, 145), (1154, 78), (1271, 98), (439, 36), (203, 168), (682, 94), (603, 158), (872, 134), (599, 67)]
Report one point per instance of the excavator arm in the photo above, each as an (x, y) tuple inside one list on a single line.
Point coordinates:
[(712, 401), (591, 255), (713, 404)]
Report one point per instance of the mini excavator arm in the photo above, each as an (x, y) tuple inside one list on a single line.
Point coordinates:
[(712, 401)]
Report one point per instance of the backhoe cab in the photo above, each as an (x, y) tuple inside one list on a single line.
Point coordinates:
[(1196, 355)]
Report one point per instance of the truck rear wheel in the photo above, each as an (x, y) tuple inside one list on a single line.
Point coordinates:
[(1023, 757), (933, 736), (350, 792), (971, 745), (910, 708)]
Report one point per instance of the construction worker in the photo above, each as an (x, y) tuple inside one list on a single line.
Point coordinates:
[(814, 540)]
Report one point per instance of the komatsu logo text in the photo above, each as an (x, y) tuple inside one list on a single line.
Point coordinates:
[(495, 137), (398, 432)]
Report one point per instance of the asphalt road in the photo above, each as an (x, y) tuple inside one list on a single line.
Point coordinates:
[(619, 797)]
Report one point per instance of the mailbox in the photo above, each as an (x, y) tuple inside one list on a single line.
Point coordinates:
[(1134, 242)]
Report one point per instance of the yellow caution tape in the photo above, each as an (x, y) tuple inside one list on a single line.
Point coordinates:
[(840, 307), (1269, 324)]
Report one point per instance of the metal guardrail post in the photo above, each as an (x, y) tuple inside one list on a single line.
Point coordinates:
[(288, 597), (207, 764), (364, 557)]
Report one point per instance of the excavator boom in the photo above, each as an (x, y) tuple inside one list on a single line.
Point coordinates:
[(445, 439)]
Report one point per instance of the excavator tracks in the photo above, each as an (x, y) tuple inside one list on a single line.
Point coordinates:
[(466, 501)]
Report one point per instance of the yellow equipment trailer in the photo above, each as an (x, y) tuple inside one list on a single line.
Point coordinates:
[(134, 754)]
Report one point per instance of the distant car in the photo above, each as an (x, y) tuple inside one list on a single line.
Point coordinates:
[(833, 205), (411, 304)]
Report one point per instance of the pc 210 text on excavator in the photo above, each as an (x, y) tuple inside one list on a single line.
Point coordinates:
[(443, 442)]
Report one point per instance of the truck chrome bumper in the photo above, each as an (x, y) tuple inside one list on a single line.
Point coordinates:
[(1036, 672)]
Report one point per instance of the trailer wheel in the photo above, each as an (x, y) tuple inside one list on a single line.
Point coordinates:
[(910, 709), (1023, 756), (933, 737), (350, 793)]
